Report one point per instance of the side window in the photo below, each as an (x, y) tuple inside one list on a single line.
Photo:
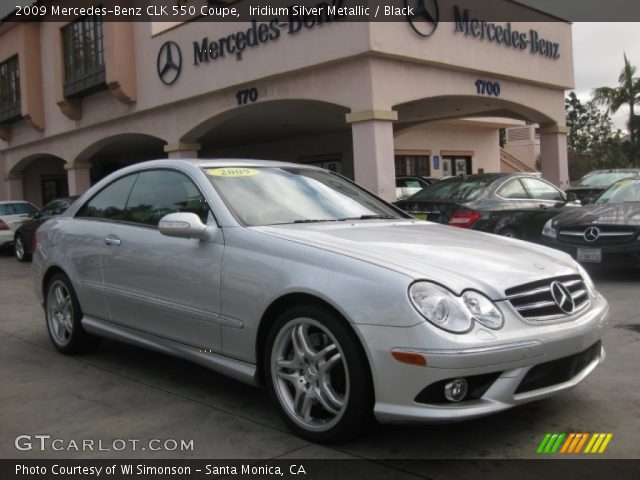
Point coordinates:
[(51, 209), (109, 203), (513, 189), (542, 191), (160, 192)]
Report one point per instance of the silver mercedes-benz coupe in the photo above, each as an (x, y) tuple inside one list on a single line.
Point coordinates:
[(296, 278)]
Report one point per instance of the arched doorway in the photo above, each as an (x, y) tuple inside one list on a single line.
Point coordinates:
[(43, 177), (304, 131), (112, 153), (459, 134)]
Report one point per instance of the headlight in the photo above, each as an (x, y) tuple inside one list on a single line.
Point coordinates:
[(548, 230), (451, 313), (587, 280), (483, 309)]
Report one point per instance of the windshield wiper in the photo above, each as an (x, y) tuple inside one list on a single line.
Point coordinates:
[(370, 217), (314, 220)]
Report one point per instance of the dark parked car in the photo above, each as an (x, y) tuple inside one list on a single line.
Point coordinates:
[(23, 237), (513, 205), (594, 183), (605, 232)]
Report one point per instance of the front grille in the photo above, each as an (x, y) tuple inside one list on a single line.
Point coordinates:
[(558, 371), (535, 300), (606, 235)]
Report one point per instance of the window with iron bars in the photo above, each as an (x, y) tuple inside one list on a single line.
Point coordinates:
[(84, 69), (10, 90), (412, 165)]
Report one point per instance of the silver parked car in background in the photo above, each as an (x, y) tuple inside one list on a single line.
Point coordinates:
[(296, 278)]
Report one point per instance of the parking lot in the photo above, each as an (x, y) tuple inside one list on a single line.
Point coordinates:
[(122, 392)]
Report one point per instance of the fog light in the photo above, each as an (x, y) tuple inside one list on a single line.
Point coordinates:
[(456, 390)]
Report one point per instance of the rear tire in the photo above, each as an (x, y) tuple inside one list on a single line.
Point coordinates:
[(318, 375), (20, 249), (63, 317)]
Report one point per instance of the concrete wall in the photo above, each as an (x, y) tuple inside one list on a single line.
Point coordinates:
[(484, 142)]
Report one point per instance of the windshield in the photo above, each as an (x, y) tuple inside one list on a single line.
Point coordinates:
[(454, 189), (621, 192), (601, 179), (271, 196), (19, 208)]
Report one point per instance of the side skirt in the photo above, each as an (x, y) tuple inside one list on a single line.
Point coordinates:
[(236, 369)]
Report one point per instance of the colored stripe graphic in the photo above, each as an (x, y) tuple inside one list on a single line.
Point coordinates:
[(598, 442), (551, 442), (573, 443)]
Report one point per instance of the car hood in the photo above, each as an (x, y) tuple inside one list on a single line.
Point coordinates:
[(457, 258), (614, 214)]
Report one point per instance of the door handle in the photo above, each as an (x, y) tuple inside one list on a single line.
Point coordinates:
[(112, 240)]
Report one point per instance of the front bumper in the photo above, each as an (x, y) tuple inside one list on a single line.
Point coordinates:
[(399, 387), (612, 255)]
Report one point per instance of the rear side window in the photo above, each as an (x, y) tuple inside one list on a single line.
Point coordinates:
[(18, 208), (157, 193), (110, 202), (454, 189), (513, 189), (542, 190), (54, 208)]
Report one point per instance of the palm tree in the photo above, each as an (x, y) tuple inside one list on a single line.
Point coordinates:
[(628, 93)]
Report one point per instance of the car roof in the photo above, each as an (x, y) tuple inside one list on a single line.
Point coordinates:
[(5, 202), (614, 170), (482, 176), (69, 199), (243, 162)]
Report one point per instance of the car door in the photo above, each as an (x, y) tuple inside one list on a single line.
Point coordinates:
[(162, 285), (85, 247), (549, 201)]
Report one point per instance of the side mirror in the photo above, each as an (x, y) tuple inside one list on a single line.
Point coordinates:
[(571, 197), (186, 225)]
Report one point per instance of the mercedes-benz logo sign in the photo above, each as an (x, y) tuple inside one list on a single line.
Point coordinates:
[(424, 17), (169, 63), (562, 296), (591, 234)]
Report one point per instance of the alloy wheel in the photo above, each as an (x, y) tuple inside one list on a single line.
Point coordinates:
[(19, 248), (60, 313), (309, 374)]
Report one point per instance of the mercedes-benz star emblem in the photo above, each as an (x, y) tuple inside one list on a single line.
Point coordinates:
[(169, 63), (591, 234), (424, 17), (562, 296)]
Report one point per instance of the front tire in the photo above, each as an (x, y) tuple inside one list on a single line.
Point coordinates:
[(318, 375), (63, 316), (20, 249)]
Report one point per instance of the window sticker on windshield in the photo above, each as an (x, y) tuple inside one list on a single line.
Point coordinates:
[(232, 172)]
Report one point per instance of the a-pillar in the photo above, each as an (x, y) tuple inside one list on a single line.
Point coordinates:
[(373, 151), (13, 187), (553, 155), (182, 150), (78, 177)]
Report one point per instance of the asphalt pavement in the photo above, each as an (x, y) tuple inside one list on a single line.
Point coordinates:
[(123, 392)]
